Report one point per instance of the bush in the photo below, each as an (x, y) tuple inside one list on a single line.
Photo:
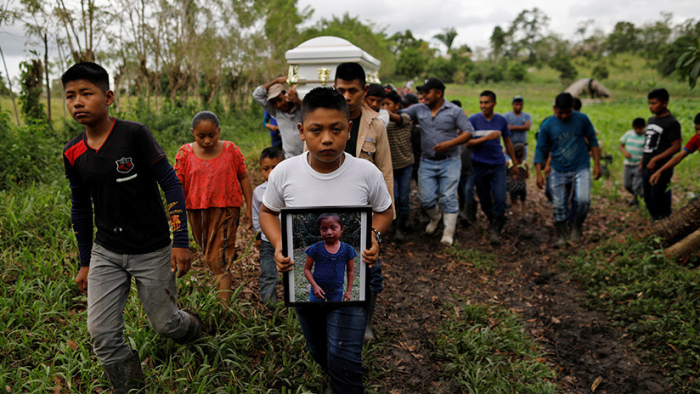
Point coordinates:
[(516, 72), (28, 154), (441, 68), (567, 71), (600, 72)]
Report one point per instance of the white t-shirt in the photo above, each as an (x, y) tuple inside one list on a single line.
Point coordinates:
[(293, 183)]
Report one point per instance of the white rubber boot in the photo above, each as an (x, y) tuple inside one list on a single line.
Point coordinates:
[(434, 214), (450, 221)]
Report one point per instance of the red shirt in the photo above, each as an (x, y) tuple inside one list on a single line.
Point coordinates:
[(214, 182), (693, 145)]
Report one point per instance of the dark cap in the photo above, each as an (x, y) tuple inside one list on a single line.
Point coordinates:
[(518, 99), (409, 99), (433, 83)]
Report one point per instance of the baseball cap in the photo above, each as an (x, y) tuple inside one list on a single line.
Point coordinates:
[(518, 99), (433, 83), (274, 91)]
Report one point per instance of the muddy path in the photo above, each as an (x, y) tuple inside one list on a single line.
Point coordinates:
[(581, 345)]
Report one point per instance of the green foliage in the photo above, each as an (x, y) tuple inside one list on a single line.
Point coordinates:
[(441, 68), (28, 154), (410, 63), (655, 300), (485, 71), (30, 95), (4, 91), (689, 63), (486, 351), (624, 38), (567, 71), (516, 72), (600, 72), (447, 37), (670, 54)]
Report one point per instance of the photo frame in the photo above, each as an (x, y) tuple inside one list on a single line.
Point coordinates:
[(301, 239)]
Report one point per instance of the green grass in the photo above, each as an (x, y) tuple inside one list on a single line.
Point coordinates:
[(656, 300), (485, 351), (480, 260)]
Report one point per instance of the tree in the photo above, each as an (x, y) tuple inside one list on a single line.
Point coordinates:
[(689, 63), (567, 71), (410, 63), (498, 41), (527, 29), (624, 38), (30, 96), (447, 37), (670, 53), (7, 16)]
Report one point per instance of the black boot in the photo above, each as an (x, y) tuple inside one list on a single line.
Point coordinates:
[(560, 228), (194, 332), (494, 231), (369, 334), (126, 374), (399, 235), (577, 228)]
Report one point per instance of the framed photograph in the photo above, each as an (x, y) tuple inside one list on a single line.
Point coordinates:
[(325, 245)]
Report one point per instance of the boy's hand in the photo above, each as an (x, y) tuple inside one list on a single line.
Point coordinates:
[(319, 293), (597, 171), (494, 135), (651, 165), (283, 264), (655, 178), (442, 147), (180, 261), (258, 243), (371, 255), (540, 180), (82, 278), (347, 295)]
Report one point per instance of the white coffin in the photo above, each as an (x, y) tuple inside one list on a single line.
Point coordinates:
[(313, 63)]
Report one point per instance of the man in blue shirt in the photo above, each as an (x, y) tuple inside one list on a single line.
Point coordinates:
[(444, 127), (567, 136), (519, 122), (489, 163)]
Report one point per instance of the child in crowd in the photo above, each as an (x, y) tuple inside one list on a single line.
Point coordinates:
[(399, 133), (116, 166), (518, 172), (692, 146), (330, 259), (270, 123), (215, 180), (632, 147), (269, 159), (326, 176), (663, 140), (375, 98)]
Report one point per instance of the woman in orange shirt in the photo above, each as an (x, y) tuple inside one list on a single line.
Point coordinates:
[(215, 181)]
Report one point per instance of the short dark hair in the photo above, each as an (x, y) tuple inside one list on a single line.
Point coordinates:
[(393, 96), (457, 103), (639, 123), (488, 94), (89, 71), (660, 94), (697, 118), (325, 216), (328, 98), (376, 90), (205, 115), (564, 101), (272, 152), (519, 151), (350, 72), (577, 104)]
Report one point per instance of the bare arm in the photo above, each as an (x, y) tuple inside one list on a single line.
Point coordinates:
[(540, 178), (670, 164), (494, 135), (447, 145), (624, 152), (597, 170), (351, 279), (247, 189), (268, 84), (381, 221), (509, 147), (525, 127), (318, 291), (270, 224), (675, 147)]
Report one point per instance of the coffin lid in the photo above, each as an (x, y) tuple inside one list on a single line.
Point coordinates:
[(329, 49)]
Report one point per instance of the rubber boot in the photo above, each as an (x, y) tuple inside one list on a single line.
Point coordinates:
[(194, 332), (560, 228), (434, 214), (577, 228), (449, 220), (495, 226), (126, 374), (369, 334)]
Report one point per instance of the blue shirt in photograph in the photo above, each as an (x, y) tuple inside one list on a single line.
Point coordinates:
[(518, 137), (566, 142), (445, 126), (489, 152)]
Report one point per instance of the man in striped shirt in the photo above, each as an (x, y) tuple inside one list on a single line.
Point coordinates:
[(632, 147)]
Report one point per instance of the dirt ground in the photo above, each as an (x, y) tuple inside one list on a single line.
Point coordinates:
[(422, 278)]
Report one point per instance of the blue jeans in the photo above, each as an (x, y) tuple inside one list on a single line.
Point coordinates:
[(490, 182), (268, 273), (376, 279), (657, 197), (438, 180), (402, 188), (632, 180), (334, 338), (581, 191), (109, 283), (331, 295)]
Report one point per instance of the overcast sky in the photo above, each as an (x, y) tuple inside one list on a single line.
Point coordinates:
[(474, 20)]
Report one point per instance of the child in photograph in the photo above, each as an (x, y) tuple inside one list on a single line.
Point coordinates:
[(691, 147), (518, 172), (269, 159), (116, 167), (215, 180), (327, 176), (330, 260), (632, 147)]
